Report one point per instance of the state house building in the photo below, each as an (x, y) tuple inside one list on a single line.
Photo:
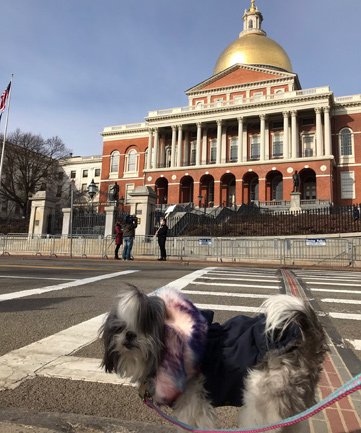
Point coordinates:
[(245, 131)]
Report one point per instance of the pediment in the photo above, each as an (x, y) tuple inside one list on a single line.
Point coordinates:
[(238, 75)]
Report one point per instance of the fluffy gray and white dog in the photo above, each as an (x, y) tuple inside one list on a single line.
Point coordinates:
[(268, 365)]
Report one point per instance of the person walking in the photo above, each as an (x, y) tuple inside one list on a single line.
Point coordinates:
[(128, 236), (162, 237), (118, 239)]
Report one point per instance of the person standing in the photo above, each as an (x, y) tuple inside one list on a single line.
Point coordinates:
[(162, 237), (128, 236), (118, 239)]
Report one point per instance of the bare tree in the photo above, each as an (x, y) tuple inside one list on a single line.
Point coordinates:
[(30, 165)]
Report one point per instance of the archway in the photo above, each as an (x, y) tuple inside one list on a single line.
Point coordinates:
[(274, 186), (228, 190), (186, 186), (161, 189), (308, 187), (206, 191), (250, 187)]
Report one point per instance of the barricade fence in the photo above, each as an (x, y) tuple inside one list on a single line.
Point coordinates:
[(326, 250)]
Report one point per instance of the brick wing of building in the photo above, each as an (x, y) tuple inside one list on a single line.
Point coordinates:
[(245, 132)]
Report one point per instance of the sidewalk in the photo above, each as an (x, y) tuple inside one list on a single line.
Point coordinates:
[(21, 421)]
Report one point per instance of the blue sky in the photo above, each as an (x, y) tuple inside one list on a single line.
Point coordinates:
[(81, 65)]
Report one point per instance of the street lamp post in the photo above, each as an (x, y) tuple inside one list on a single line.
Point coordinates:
[(92, 190), (121, 202), (200, 201)]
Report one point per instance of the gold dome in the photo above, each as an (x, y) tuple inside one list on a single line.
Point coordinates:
[(254, 49)]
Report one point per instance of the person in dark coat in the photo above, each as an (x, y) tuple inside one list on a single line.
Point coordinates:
[(118, 239), (355, 212), (162, 237), (130, 225)]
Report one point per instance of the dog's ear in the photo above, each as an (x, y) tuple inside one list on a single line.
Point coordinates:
[(112, 326)]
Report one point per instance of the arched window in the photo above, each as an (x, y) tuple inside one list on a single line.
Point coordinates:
[(131, 161), (346, 142), (114, 162)]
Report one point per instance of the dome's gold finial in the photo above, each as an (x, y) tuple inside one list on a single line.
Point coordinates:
[(253, 7)]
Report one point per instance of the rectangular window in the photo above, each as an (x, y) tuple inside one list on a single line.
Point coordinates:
[(308, 145), (97, 172), (277, 145), (129, 187), (233, 155), (257, 96), (73, 174), (84, 187), (193, 153), (255, 147), (237, 99), (347, 184), (213, 150), (85, 173)]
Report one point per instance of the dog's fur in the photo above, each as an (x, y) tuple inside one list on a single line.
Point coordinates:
[(136, 334)]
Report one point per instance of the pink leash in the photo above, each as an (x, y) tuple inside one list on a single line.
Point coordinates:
[(348, 388)]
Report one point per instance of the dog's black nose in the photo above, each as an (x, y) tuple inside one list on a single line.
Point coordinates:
[(130, 336)]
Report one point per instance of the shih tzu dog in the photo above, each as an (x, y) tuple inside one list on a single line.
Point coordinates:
[(268, 365)]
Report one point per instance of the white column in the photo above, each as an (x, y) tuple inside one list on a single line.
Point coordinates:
[(240, 140), (219, 141), (286, 150), (156, 148), (328, 137), (179, 146), (266, 141), (319, 132), (262, 133), (172, 152), (294, 134), (204, 146), (162, 150), (198, 145), (150, 144), (245, 142), (186, 148), (224, 145)]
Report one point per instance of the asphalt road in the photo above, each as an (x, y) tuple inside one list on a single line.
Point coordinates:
[(51, 310)]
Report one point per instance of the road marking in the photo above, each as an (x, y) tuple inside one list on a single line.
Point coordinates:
[(71, 268), (37, 278), (184, 281), (241, 279), (355, 292), (76, 368), (235, 295), (31, 292), (345, 316), (341, 301), (355, 343), (329, 283), (22, 364), (257, 286), (238, 308)]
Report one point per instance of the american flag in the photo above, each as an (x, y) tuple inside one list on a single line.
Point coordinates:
[(4, 97)]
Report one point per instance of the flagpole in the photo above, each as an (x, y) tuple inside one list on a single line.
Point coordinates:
[(5, 130)]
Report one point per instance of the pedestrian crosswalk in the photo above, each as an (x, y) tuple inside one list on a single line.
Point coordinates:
[(338, 294), (227, 291)]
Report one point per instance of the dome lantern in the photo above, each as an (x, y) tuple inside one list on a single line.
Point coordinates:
[(253, 47)]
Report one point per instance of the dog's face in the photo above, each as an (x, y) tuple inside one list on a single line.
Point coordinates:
[(133, 335)]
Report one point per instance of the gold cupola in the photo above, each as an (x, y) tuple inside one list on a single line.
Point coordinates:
[(253, 47)]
